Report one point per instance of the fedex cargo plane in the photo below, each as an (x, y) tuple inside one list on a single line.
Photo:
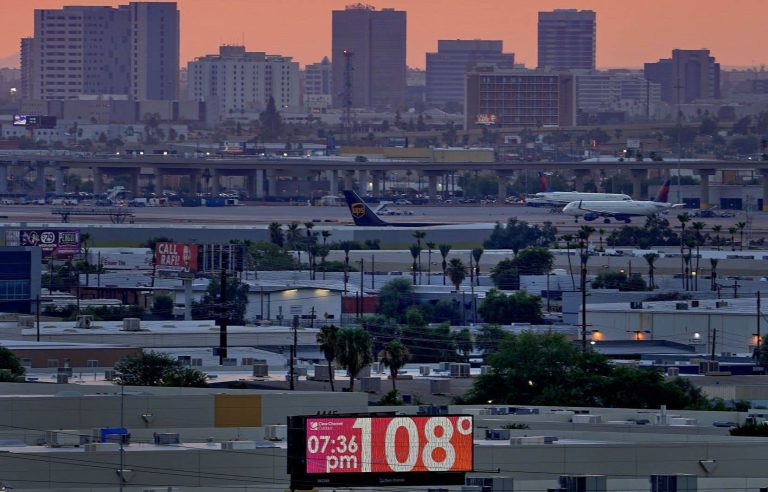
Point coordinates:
[(622, 210), (365, 217)]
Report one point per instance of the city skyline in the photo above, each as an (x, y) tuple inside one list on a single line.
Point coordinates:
[(732, 35)]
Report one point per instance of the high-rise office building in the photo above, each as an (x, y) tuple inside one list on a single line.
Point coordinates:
[(377, 42), (567, 39), (131, 50), (243, 81), (518, 98), (447, 69), (318, 85), (687, 76)]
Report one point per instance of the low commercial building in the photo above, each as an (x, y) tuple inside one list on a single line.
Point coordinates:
[(20, 280)]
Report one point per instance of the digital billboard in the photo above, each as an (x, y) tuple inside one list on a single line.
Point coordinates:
[(486, 119), (34, 121), (337, 451), (54, 243), (176, 257)]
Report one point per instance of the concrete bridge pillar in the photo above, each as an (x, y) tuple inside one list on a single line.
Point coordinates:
[(432, 184), (135, 189), (376, 183), (3, 177), (59, 180), (215, 183), (349, 179), (255, 184), (362, 181), (158, 181), (271, 189), (503, 177), (638, 175), (704, 175), (194, 181), (333, 182), (98, 181), (40, 179)]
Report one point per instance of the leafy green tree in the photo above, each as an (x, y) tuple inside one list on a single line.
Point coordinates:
[(517, 307), (394, 356), (353, 352), (506, 274), (518, 234), (620, 281), (156, 369), (328, 341), (263, 255), (162, 306), (464, 342), (394, 298), (489, 338), (11, 369), (535, 260), (276, 234), (547, 369)]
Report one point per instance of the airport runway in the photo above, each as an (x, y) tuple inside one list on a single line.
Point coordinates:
[(285, 214)]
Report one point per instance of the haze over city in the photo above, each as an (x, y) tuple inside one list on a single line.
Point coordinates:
[(628, 33)]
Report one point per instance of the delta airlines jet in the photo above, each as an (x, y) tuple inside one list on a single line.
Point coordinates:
[(622, 210), (547, 198)]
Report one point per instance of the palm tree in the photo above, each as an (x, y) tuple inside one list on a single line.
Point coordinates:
[(326, 235), (477, 253), (415, 253), (717, 229), (713, 265), (292, 236), (313, 250), (697, 227), (322, 252), (740, 226), (444, 250), (651, 259), (457, 272), (418, 236), (394, 356), (430, 246), (568, 238), (353, 351), (346, 246), (684, 218), (309, 226), (85, 238), (276, 234), (601, 232), (327, 339), (732, 232)]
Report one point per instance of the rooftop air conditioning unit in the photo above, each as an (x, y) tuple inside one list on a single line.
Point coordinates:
[(486, 370), (101, 447), (673, 372), (424, 370), (370, 385), (459, 370), (26, 322), (62, 378), (706, 366), (131, 324), (636, 305), (62, 438), (681, 306), (109, 374), (246, 361), (721, 304), (323, 373), (196, 362), (695, 303), (278, 432), (260, 370), (84, 321), (497, 434), (238, 445), (166, 438), (439, 386)]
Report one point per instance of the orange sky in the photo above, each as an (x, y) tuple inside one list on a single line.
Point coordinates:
[(629, 32)]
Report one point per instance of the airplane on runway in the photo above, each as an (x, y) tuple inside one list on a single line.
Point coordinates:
[(622, 209), (365, 217), (548, 198)]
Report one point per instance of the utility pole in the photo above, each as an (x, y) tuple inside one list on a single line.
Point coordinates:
[(37, 316), (293, 352), (714, 340), (584, 257), (759, 339), (223, 318), (362, 284), (373, 274)]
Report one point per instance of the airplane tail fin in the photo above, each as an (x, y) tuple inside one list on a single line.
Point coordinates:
[(544, 182), (663, 196), (361, 213)]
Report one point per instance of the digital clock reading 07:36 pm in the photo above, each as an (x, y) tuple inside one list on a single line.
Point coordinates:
[(389, 444)]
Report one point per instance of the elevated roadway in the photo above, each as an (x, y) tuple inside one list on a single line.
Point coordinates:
[(263, 173)]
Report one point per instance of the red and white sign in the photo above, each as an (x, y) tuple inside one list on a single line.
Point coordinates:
[(176, 257), (389, 444), (486, 119)]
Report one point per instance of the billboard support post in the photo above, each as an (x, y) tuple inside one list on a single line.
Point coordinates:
[(187, 299), (223, 319)]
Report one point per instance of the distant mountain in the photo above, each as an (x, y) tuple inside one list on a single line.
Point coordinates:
[(11, 61)]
